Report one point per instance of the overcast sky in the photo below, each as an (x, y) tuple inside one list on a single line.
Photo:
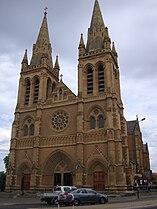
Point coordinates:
[(132, 26)]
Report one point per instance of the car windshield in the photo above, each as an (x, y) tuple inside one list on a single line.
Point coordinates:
[(57, 189), (72, 189)]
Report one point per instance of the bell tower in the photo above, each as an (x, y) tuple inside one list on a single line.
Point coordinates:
[(37, 81), (35, 77), (99, 92)]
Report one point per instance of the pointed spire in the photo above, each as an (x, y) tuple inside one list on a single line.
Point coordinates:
[(107, 40), (81, 41), (97, 16), (113, 48), (43, 33), (114, 52), (57, 64), (56, 68), (43, 45), (96, 32), (25, 61), (81, 46)]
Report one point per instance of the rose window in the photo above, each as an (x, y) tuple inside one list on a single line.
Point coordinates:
[(59, 120)]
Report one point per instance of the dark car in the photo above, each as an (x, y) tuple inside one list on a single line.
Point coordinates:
[(82, 196)]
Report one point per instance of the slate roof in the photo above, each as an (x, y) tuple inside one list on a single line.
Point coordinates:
[(131, 125)]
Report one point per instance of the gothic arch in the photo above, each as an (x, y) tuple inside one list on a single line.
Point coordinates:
[(28, 126), (26, 118), (27, 86), (36, 84), (95, 107), (96, 117), (53, 86), (100, 68), (95, 164), (49, 88), (100, 63), (87, 66), (27, 79), (55, 159), (24, 167)]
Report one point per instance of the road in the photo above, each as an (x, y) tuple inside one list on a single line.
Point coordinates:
[(107, 206), (144, 202)]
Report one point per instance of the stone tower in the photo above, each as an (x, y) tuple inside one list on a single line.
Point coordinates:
[(100, 105), (60, 138)]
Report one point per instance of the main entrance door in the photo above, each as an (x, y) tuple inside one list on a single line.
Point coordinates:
[(25, 184), (64, 179), (99, 181)]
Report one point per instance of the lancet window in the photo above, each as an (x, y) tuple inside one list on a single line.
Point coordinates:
[(89, 80), (97, 119), (28, 127), (27, 91), (101, 78), (36, 90)]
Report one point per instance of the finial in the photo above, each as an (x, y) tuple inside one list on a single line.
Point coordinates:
[(45, 13)]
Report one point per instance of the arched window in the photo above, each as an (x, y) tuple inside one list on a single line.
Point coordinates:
[(89, 80), (101, 78), (28, 127), (101, 121), (49, 86), (25, 130), (31, 130), (27, 94), (36, 90), (92, 123), (53, 86)]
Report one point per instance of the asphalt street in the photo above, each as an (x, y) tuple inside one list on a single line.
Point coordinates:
[(146, 201)]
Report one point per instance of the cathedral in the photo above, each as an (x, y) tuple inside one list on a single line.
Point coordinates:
[(59, 138)]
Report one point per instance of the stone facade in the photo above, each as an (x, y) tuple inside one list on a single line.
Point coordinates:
[(60, 138)]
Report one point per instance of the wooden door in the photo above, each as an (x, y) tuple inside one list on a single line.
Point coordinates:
[(99, 181), (26, 181)]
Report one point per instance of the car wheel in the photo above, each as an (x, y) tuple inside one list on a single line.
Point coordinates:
[(49, 202), (76, 202), (102, 200), (55, 201), (67, 204)]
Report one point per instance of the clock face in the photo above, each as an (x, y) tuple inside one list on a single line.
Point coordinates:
[(59, 120)]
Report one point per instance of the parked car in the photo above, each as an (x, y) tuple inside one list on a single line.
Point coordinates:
[(52, 197), (82, 196)]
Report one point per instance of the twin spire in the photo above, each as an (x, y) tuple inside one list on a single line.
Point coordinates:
[(98, 35), (98, 38), (96, 32), (42, 50)]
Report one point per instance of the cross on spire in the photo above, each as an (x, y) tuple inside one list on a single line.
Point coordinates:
[(45, 10)]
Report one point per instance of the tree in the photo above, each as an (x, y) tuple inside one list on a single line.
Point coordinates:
[(3, 174), (2, 181), (6, 161)]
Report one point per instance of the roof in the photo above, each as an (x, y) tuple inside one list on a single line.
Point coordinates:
[(131, 125)]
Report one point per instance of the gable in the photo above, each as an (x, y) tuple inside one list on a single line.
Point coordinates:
[(62, 92)]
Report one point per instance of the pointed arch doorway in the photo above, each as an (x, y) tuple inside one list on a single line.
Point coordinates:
[(97, 174), (58, 170), (62, 175)]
